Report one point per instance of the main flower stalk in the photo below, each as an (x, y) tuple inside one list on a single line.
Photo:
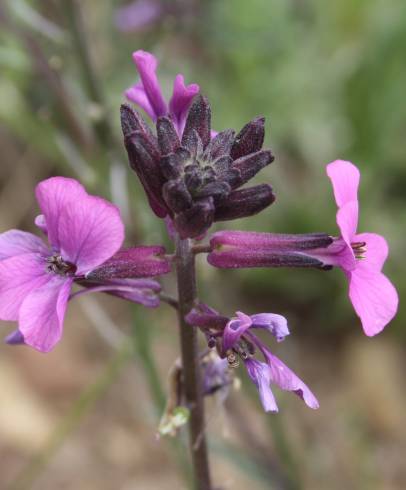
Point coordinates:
[(186, 280)]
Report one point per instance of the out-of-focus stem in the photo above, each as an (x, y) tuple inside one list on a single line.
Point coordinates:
[(186, 281), (101, 124)]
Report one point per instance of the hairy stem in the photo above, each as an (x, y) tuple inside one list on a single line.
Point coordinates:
[(185, 272)]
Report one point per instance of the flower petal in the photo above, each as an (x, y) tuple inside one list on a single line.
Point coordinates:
[(377, 251), (137, 95), (181, 100), (259, 373), (234, 329), (19, 275), (54, 195), (374, 299), (16, 242), (90, 232), (277, 325), (345, 179), (287, 380), (146, 65), (347, 221), (42, 313)]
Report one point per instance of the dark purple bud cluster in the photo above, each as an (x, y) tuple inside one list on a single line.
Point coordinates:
[(196, 179)]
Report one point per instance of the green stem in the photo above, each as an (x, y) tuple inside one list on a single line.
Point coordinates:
[(186, 281)]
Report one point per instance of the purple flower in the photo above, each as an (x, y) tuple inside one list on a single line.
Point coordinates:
[(137, 15), (147, 92), (360, 256), (235, 341), (84, 233)]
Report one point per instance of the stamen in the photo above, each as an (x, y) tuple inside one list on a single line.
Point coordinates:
[(232, 359), (360, 249), (57, 265)]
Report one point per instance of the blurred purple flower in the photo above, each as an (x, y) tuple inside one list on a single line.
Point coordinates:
[(138, 15), (147, 93), (235, 340), (85, 233)]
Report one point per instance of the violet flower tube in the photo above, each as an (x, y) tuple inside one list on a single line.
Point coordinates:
[(359, 255), (236, 341), (84, 235)]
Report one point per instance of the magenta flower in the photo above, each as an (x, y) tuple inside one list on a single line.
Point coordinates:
[(147, 93), (84, 234), (235, 340), (362, 255)]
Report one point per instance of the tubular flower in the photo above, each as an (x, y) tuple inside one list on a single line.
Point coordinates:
[(360, 256), (85, 234), (147, 93), (235, 341), (195, 180)]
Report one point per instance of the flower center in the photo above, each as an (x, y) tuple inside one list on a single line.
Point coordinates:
[(58, 265), (360, 249)]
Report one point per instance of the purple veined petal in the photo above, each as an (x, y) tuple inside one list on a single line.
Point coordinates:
[(277, 325), (16, 242), (137, 15), (14, 338), (376, 251), (54, 195), (137, 95), (41, 223), (146, 65), (90, 232), (260, 374), (19, 275), (41, 315), (374, 298), (287, 380), (181, 100), (345, 178), (234, 329)]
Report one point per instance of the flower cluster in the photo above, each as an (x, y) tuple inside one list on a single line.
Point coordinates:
[(188, 173), (192, 177)]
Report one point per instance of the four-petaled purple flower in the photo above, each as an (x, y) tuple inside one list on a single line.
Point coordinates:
[(361, 256), (85, 234), (235, 341)]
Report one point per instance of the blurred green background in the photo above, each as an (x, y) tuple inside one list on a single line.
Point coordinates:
[(330, 78)]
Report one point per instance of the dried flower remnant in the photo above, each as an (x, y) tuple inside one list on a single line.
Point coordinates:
[(85, 234), (236, 342)]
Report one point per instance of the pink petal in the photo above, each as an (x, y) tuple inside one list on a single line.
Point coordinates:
[(19, 275), (180, 101), (137, 95), (287, 380), (146, 65), (234, 329), (42, 313), (41, 223), (377, 251), (374, 299), (16, 242), (90, 232), (54, 195), (345, 179), (260, 374), (347, 220)]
